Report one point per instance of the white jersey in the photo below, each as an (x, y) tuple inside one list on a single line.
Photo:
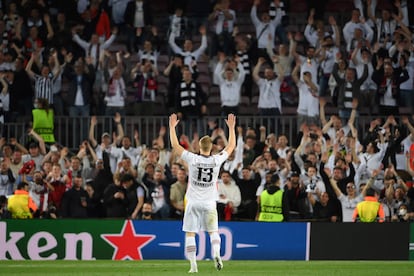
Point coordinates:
[(348, 206), (202, 176)]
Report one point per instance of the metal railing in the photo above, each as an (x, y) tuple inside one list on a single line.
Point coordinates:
[(71, 131)]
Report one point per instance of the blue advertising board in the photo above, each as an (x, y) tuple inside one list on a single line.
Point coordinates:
[(239, 241)]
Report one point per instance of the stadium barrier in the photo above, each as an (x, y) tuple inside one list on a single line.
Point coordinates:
[(138, 240), (71, 131)]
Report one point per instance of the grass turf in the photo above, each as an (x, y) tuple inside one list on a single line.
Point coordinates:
[(169, 267)]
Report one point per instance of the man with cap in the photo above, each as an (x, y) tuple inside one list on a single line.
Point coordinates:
[(115, 154), (37, 150), (274, 204)]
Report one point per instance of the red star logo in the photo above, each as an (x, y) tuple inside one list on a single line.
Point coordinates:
[(127, 244)]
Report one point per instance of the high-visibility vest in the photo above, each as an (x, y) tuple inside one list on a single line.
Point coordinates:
[(43, 124), (271, 206), (368, 211), (19, 205)]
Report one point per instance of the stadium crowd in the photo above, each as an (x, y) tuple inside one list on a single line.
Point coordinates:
[(94, 58)]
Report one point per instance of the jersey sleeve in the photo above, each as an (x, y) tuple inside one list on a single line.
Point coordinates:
[(187, 156), (221, 157)]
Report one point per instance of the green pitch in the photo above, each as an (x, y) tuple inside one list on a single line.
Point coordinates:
[(239, 268)]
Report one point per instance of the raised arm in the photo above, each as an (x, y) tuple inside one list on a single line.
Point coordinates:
[(50, 33), (5, 86), (111, 39), (29, 66), (203, 45), (82, 43), (256, 69), (173, 135), (336, 32), (119, 128), (253, 13), (231, 124), (218, 72), (410, 127), (39, 138), (92, 138), (295, 72)]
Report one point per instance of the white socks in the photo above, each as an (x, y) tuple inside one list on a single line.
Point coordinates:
[(215, 243), (190, 250)]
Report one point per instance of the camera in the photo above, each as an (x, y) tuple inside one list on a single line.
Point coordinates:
[(313, 136)]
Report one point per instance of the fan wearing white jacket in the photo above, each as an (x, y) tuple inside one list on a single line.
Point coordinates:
[(229, 196)]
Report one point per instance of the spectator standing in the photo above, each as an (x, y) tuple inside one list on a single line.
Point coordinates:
[(7, 179), (269, 90), (81, 78), (74, 200), (56, 183), (323, 209), (264, 26), (388, 81), (308, 105), (21, 90), (44, 81), (357, 30), (37, 150), (114, 153), (297, 198), (248, 184), (39, 192), (230, 85), (116, 95), (179, 25), (115, 199), (159, 195), (177, 194), (348, 89), (137, 17), (190, 99), (174, 73), (229, 197), (245, 53), (95, 49), (190, 57), (224, 20)]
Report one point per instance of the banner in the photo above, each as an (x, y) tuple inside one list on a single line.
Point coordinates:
[(139, 240), (359, 241)]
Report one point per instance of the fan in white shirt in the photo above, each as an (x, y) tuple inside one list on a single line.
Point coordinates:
[(269, 89)]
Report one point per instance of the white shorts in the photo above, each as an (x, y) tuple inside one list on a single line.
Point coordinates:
[(200, 216)]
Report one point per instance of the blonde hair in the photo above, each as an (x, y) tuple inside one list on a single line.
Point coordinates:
[(205, 144)]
